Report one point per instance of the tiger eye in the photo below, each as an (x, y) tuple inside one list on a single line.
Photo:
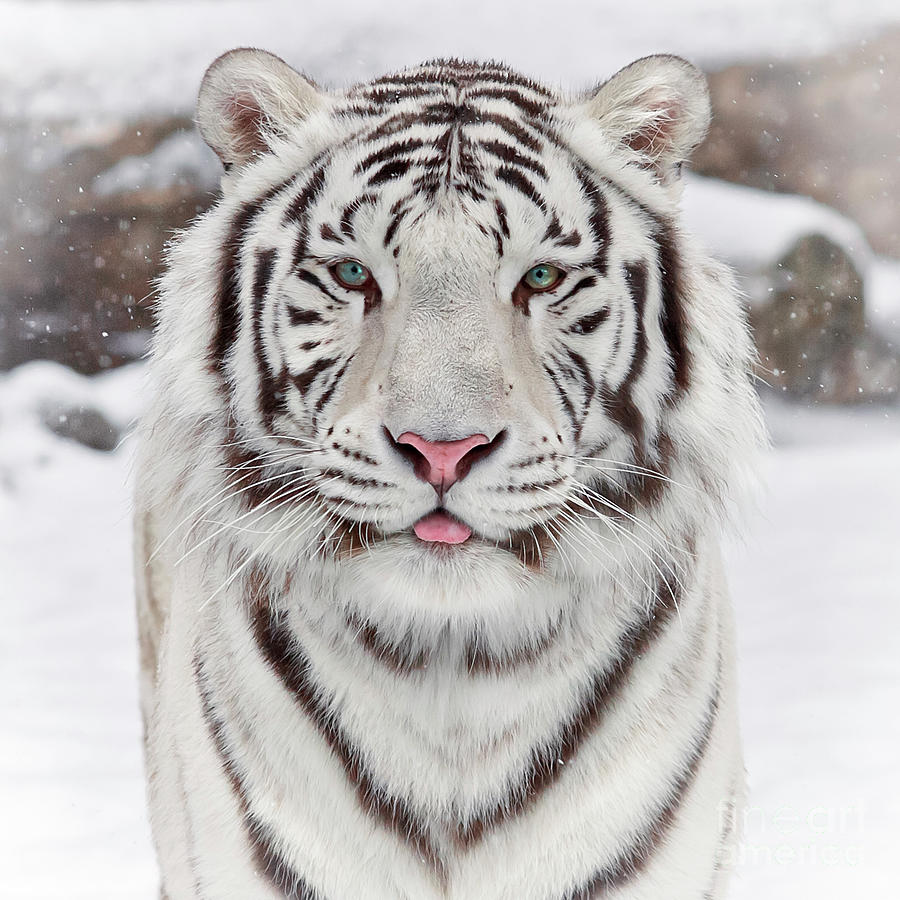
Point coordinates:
[(543, 277), (352, 274)]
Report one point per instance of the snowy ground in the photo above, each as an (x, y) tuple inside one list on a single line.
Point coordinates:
[(815, 584)]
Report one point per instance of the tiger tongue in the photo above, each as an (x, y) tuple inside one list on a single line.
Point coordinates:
[(440, 528)]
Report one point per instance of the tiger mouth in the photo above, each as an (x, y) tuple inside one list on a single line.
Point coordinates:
[(531, 545), (439, 527)]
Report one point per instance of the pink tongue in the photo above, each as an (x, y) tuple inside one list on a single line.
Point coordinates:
[(440, 527)]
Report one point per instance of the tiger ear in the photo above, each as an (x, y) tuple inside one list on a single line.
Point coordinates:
[(247, 99), (658, 107)]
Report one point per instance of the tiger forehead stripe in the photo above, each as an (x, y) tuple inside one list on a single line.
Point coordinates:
[(458, 73)]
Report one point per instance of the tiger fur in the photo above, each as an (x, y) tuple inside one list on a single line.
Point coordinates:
[(337, 707)]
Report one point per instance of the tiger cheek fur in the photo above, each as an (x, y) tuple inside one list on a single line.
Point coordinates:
[(447, 418)]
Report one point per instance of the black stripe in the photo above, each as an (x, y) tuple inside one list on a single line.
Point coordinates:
[(511, 155), (388, 152), (329, 234), (298, 209), (590, 323), (567, 403), (537, 109), (329, 391), (263, 842), (367, 101), (581, 285), (620, 404), (502, 219), (390, 171), (515, 179), (308, 375), (352, 209), (254, 483), (316, 282), (394, 125), (298, 212), (577, 371), (512, 128), (402, 657), (458, 73), (228, 306), (584, 372), (572, 239), (674, 323), (547, 763), (479, 660), (598, 218), (304, 316), (554, 229), (288, 661), (636, 279), (394, 225), (633, 860), (269, 399)]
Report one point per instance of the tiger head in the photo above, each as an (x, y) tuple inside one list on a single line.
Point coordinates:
[(450, 318)]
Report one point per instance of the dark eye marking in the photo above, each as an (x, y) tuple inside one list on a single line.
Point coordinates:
[(581, 285), (304, 316), (589, 323), (316, 282)]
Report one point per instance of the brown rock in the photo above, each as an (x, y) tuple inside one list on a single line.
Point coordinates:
[(78, 262), (813, 338), (826, 127)]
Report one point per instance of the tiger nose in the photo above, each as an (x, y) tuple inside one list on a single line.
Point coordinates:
[(443, 463)]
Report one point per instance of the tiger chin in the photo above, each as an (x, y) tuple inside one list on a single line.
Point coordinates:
[(447, 416)]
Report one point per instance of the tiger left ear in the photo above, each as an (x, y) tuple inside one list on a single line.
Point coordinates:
[(248, 98), (659, 108)]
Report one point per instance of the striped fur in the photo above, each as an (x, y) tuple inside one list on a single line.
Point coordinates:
[(335, 709)]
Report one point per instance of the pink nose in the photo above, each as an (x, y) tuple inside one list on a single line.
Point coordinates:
[(441, 463)]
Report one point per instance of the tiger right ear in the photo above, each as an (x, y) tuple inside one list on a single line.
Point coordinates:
[(659, 108), (247, 99)]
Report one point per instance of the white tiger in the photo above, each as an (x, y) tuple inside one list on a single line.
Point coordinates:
[(447, 415)]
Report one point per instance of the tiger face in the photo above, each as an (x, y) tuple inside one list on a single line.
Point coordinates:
[(449, 312)]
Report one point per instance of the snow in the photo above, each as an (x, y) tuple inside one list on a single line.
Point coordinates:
[(181, 158), (59, 60), (752, 229), (816, 587), (73, 823), (815, 583)]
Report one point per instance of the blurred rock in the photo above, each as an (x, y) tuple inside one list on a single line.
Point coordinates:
[(82, 424), (825, 127), (83, 241), (813, 338)]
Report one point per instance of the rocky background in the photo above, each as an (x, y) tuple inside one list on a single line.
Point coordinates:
[(92, 207)]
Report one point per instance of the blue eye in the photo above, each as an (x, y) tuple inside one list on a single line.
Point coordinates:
[(351, 274), (543, 277)]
